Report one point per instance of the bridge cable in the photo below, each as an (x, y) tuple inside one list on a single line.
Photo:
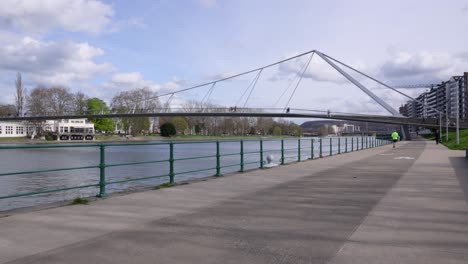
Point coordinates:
[(208, 93), (237, 75), (245, 91), (381, 83), (300, 79), (253, 87), (166, 109), (289, 85)]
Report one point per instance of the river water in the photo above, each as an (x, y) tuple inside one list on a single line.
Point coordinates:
[(16, 160)]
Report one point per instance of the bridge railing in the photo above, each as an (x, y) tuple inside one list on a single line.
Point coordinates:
[(168, 161)]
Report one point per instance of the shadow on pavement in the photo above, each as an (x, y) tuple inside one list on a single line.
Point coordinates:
[(460, 166)]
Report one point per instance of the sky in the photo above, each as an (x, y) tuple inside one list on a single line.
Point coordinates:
[(103, 47)]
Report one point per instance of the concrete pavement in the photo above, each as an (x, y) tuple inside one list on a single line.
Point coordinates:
[(383, 205)]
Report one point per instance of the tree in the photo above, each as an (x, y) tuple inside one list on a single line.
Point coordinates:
[(168, 129), (180, 124), (277, 131), (20, 94), (54, 100), (135, 101), (97, 106), (80, 103), (7, 110)]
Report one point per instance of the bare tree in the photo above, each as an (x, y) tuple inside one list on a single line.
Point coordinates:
[(46, 101), (20, 94), (7, 110), (80, 103), (37, 101), (135, 101)]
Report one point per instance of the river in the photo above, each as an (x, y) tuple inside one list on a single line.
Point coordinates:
[(15, 160)]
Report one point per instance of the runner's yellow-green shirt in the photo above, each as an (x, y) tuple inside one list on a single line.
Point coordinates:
[(395, 135)]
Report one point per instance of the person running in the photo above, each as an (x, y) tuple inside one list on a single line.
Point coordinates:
[(395, 137), (436, 137)]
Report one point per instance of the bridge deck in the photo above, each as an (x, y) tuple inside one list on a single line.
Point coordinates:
[(384, 205)]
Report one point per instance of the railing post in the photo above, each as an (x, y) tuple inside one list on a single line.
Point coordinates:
[(352, 144), (331, 151), (171, 163), (321, 156), (362, 142), (312, 149), (261, 154), (102, 171), (346, 145), (339, 145), (218, 161), (367, 142), (282, 151), (299, 150), (241, 156)]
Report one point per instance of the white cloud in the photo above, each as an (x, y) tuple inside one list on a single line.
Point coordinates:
[(51, 62), (422, 67), (318, 70), (40, 16), (135, 80)]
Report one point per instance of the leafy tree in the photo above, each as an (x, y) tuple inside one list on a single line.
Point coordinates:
[(277, 131), (180, 124), (168, 129), (97, 106)]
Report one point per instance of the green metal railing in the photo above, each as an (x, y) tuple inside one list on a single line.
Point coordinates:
[(285, 151)]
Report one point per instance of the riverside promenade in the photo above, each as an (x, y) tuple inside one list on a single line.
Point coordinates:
[(381, 205)]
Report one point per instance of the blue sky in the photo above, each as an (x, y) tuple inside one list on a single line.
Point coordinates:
[(103, 47)]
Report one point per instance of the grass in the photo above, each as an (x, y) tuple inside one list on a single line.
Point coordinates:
[(12, 138), (451, 143), (163, 186), (79, 200), (104, 137)]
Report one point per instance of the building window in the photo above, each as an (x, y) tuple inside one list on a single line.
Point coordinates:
[(9, 130), (0, 129), (65, 129), (19, 130)]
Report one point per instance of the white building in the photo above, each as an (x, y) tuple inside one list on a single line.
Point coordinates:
[(14, 129), (71, 129), (65, 129), (347, 128)]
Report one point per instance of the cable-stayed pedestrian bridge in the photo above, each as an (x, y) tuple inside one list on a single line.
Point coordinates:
[(241, 106)]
